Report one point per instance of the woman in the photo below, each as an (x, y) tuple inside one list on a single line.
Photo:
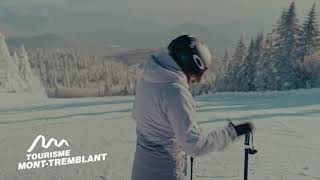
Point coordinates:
[(164, 111)]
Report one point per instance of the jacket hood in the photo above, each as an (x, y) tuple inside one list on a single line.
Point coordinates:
[(161, 68)]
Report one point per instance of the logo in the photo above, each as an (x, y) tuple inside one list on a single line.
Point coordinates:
[(198, 61), (43, 143), (55, 158)]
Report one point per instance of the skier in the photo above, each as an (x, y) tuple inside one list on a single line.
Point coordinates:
[(164, 112)]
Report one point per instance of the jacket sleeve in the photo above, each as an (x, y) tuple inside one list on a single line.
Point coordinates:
[(180, 111)]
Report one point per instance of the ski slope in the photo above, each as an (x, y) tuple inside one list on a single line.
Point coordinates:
[(286, 136)]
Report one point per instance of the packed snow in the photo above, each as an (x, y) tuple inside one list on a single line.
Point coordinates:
[(286, 135)]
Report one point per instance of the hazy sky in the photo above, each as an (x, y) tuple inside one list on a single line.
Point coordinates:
[(25, 17)]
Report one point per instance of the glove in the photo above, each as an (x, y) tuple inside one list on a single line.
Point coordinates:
[(244, 128)]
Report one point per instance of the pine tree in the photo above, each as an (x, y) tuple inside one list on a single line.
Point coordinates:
[(287, 30), (263, 79), (240, 51), (226, 60), (258, 48), (226, 57), (309, 36), (243, 75), (247, 71), (308, 43), (285, 50), (221, 74), (233, 83)]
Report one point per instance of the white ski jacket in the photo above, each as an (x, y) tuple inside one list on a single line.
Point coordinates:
[(166, 128)]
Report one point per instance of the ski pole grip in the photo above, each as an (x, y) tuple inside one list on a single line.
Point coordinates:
[(243, 129)]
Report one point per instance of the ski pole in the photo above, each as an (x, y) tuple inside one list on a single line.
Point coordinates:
[(191, 167), (246, 156), (248, 150)]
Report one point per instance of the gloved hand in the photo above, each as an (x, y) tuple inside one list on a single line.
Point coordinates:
[(243, 128)]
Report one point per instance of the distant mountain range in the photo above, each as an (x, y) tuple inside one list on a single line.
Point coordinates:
[(48, 40), (134, 58), (63, 41), (104, 42)]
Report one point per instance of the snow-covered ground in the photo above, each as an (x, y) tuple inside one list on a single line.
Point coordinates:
[(287, 132)]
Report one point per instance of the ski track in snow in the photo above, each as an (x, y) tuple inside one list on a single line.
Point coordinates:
[(286, 135)]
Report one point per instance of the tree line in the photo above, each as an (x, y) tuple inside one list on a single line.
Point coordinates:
[(283, 59), (66, 73)]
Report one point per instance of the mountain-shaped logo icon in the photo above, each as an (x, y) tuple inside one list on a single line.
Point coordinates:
[(48, 144)]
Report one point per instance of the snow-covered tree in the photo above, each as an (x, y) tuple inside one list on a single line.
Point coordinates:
[(276, 63), (231, 78), (309, 43), (15, 72), (284, 60), (247, 72), (262, 79), (226, 60), (309, 37), (312, 65), (66, 73), (240, 52), (10, 80)]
